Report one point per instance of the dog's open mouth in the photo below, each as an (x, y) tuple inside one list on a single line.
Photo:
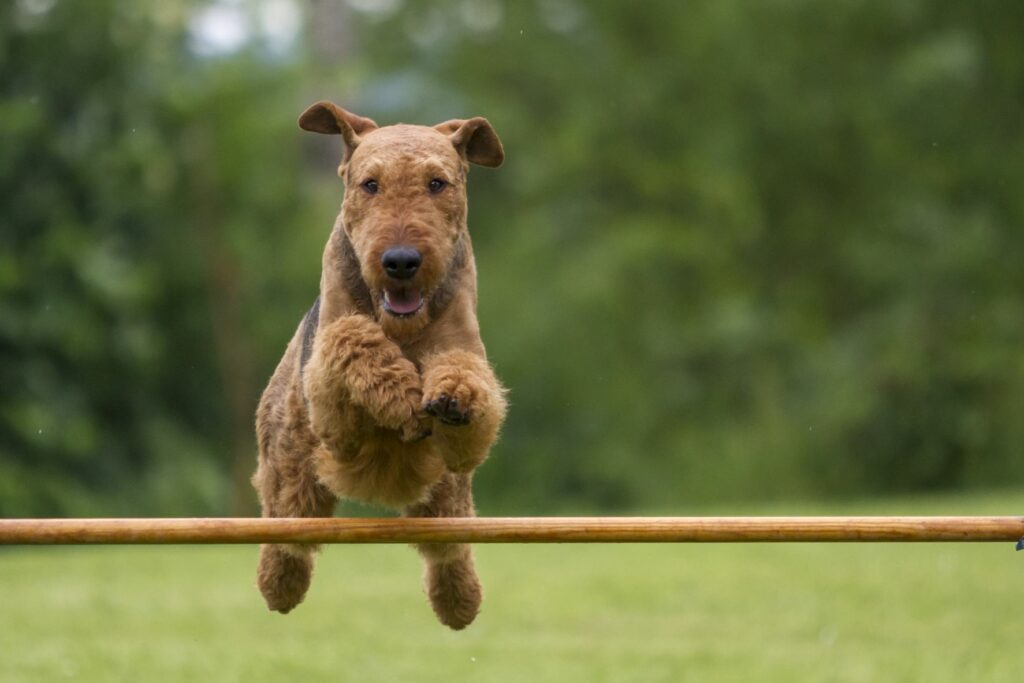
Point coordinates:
[(402, 301)]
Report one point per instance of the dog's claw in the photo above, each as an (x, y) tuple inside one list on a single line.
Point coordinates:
[(417, 429), (446, 409)]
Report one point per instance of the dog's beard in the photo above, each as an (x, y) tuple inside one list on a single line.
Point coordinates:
[(402, 327)]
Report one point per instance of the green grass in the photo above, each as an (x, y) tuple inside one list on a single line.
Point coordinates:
[(867, 612)]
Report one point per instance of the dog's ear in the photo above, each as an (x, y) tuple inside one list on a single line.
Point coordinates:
[(330, 119), (475, 140)]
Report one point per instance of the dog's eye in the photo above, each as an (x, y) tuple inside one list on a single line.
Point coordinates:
[(436, 185), (370, 186)]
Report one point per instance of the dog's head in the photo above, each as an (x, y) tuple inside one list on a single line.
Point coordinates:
[(404, 211)]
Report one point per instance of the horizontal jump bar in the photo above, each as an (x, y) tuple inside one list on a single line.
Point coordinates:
[(509, 530)]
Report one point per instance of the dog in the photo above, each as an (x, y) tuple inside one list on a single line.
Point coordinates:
[(385, 394)]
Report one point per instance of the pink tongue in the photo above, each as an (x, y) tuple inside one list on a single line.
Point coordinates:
[(403, 301)]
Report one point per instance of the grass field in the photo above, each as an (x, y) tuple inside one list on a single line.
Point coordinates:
[(867, 612)]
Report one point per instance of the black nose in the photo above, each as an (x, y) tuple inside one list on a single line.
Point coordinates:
[(401, 263)]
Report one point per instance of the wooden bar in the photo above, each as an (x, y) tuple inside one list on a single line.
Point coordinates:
[(510, 530)]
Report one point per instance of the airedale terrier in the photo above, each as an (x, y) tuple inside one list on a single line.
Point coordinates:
[(385, 394)]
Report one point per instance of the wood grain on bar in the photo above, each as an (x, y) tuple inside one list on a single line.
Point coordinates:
[(509, 530)]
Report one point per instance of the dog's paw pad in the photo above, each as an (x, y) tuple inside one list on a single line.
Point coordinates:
[(448, 410)]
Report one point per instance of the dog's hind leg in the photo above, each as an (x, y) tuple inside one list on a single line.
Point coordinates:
[(288, 487), (450, 579)]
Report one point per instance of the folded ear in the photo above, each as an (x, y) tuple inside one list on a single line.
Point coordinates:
[(475, 140), (330, 119)]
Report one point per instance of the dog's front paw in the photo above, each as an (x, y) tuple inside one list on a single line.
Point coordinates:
[(448, 409), (406, 416), (468, 405), (456, 390), (452, 398), (416, 428)]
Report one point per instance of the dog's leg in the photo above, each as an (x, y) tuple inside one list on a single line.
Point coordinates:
[(289, 488), (461, 391), (354, 362), (450, 580)]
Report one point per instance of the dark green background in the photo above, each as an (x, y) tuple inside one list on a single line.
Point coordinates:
[(738, 250)]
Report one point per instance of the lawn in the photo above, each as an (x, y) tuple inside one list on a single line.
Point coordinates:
[(867, 612)]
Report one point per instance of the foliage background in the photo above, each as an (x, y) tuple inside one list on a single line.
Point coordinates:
[(738, 250)]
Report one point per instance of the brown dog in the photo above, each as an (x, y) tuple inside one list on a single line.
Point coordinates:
[(385, 394)]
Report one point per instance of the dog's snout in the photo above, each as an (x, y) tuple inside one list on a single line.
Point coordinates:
[(401, 263)]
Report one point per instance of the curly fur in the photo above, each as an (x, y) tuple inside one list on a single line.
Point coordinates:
[(375, 407)]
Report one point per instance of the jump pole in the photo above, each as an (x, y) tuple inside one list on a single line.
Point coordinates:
[(146, 531)]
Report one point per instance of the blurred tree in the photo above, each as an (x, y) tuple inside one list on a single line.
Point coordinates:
[(143, 258), (737, 250)]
